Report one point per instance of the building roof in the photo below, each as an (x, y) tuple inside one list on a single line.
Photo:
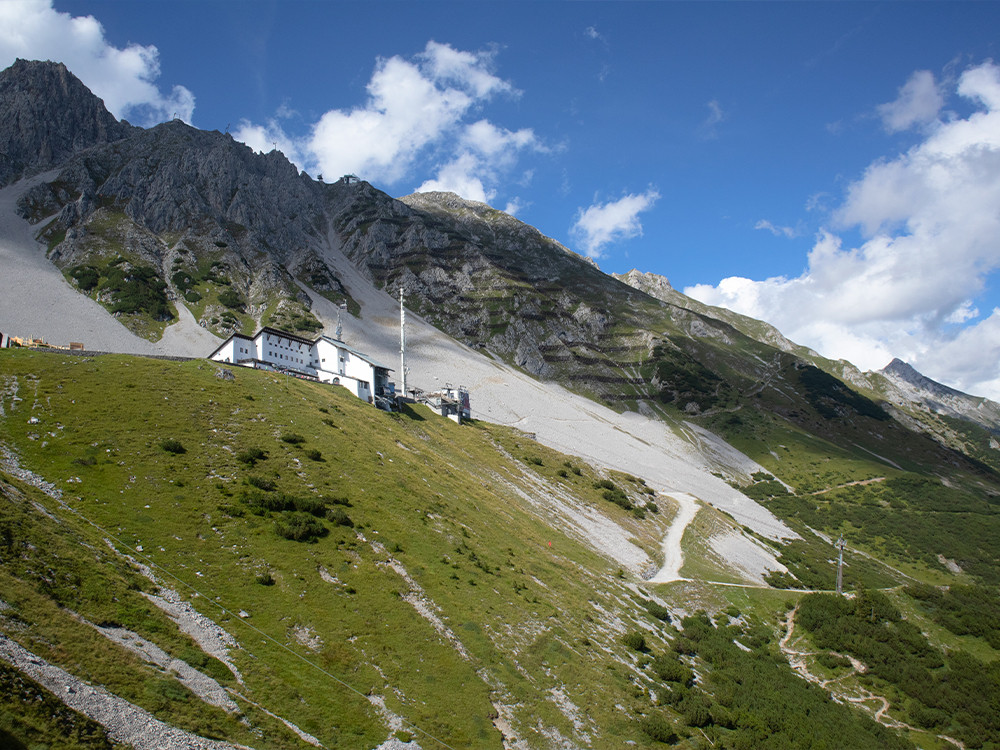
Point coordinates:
[(284, 334), (340, 344)]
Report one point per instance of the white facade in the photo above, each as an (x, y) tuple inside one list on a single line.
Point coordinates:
[(325, 359)]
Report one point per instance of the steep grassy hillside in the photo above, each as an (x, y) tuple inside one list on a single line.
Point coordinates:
[(381, 574)]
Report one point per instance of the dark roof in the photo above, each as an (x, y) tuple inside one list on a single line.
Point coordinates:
[(284, 334)]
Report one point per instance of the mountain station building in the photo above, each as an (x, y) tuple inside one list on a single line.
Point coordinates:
[(324, 359)]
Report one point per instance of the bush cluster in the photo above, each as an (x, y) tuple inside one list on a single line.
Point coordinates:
[(749, 699), (171, 445), (300, 527), (134, 289), (251, 456), (953, 693)]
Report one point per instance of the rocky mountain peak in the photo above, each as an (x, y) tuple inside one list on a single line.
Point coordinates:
[(913, 387), (49, 115), (901, 372), (651, 283)]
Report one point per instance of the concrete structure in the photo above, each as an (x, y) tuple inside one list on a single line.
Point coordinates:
[(448, 402), (324, 359)]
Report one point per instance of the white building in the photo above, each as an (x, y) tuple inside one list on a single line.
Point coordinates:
[(325, 359)]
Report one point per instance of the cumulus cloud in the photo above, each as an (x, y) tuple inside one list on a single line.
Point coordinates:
[(124, 78), (269, 137), (930, 224), (919, 102), (514, 205), (603, 223), (414, 106), (483, 152), (419, 117)]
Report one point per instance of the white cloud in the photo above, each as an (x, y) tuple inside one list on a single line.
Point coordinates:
[(715, 116), (483, 152), (777, 231), (514, 205), (603, 223), (413, 105), (124, 78), (418, 118), (930, 220), (919, 102), (458, 176), (266, 138)]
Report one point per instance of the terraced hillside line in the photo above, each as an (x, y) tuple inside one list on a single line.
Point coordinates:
[(123, 721)]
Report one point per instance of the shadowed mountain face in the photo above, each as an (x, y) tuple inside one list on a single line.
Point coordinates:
[(49, 115)]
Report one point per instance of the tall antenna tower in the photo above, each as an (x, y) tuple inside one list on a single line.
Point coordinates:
[(840, 565), (340, 324), (402, 342)]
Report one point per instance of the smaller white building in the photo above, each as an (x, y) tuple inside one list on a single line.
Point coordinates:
[(324, 359)]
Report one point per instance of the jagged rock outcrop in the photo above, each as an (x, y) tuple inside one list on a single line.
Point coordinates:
[(193, 205), (48, 116), (495, 283)]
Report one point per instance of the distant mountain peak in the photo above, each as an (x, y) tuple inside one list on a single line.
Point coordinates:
[(899, 370)]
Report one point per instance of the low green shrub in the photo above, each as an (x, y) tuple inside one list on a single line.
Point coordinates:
[(671, 669), (658, 728), (339, 517), (635, 641), (261, 483), (172, 446), (300, 527), (658, 611), (231, 299), (251, 456)]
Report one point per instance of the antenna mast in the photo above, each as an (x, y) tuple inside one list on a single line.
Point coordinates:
[(402, 342), (340, 324), (840, 565)]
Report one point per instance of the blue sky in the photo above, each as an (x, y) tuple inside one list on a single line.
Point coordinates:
[(833, 168)]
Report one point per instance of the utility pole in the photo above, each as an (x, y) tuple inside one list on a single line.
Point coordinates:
[(840, 565), (402, 342)]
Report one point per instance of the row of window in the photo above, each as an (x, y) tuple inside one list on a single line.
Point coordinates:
[(279, 355)]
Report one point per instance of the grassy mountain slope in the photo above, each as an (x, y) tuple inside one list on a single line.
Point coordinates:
[(443, 595)]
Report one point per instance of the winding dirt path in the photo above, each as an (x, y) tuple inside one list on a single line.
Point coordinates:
[(673, 553), (858, 483)]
